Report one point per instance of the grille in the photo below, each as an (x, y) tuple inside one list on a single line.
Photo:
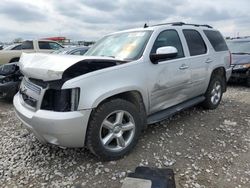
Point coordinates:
[(32, 87)]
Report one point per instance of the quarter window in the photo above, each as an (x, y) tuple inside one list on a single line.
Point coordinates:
[(168, 38), (216, 39), (196, 44)]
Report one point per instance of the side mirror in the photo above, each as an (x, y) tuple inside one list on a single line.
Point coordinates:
[(163, 53)]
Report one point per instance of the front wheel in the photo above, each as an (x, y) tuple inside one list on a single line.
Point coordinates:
[(114, 129), (214, 93)]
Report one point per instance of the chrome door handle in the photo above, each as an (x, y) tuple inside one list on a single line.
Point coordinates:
[(183, 67), (209, 61)]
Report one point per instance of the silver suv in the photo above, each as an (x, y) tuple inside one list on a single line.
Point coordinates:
[(125, 81)]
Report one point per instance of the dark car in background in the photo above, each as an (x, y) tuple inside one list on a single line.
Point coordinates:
[(240, 49), (10, 78)]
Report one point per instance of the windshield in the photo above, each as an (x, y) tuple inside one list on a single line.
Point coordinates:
[(239, 46), (10, 47), (124, 46)]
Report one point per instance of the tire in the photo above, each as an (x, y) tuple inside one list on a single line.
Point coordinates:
[(214, 92), (113, 129)]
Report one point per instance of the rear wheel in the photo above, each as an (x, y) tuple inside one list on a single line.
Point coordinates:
[(114, 129), (214, 92)]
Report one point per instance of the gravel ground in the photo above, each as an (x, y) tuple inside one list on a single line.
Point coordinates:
[(205, 149)]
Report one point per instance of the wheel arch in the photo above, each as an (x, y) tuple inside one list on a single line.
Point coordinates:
[(221, 71), (133, 96), (14, 59)]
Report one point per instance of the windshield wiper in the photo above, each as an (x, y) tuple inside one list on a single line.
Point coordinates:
[(241, 53)]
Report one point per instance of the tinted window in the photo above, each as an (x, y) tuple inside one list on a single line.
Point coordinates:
[(196, 44), (216, 40), (44, 45), (168, 38), (27, 45)]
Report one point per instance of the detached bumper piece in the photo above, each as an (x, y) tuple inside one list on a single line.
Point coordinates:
[(145, 177)]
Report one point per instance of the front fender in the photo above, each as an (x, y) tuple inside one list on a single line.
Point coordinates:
[(96, 87)]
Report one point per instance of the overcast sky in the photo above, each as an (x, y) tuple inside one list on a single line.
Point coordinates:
[(91, 19)]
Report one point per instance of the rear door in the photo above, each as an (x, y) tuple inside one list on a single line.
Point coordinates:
[(170, 78), (199, 61)]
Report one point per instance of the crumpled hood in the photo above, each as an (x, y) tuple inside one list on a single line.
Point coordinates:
[(49, 67), (240, 59)]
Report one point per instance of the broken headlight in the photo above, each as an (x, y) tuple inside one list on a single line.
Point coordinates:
[(64, 100)]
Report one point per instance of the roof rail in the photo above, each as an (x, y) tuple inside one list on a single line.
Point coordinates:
[(170, 23), (180, 24)]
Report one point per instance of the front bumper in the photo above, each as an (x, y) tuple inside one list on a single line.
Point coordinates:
[(9, 89), (66, 129)]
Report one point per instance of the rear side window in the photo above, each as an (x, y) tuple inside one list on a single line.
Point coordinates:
[(216, 40), (44, 45), (27, 45), (196, 44), (168, 38)]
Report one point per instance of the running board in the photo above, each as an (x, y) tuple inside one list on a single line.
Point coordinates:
[(164, 114)]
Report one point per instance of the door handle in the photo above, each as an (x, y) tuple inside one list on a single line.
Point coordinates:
[(183, 67), (209, 61)]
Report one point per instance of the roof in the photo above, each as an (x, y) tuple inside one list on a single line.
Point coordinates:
[(167, 25)]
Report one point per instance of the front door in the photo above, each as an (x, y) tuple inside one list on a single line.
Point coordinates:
[(170, 85)]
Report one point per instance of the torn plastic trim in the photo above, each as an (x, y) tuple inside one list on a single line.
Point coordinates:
[(87, 66)]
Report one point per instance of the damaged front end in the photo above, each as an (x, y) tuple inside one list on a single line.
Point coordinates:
[(10, 78), (42, 86)]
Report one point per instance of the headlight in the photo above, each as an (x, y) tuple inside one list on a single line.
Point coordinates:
[(244, 66), (64, 100)]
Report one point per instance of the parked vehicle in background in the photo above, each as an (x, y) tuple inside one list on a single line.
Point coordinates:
[(80, 50), (127, 80), (42, 46), (240, 49), (10, 75), (13, 47), (10, 78)]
